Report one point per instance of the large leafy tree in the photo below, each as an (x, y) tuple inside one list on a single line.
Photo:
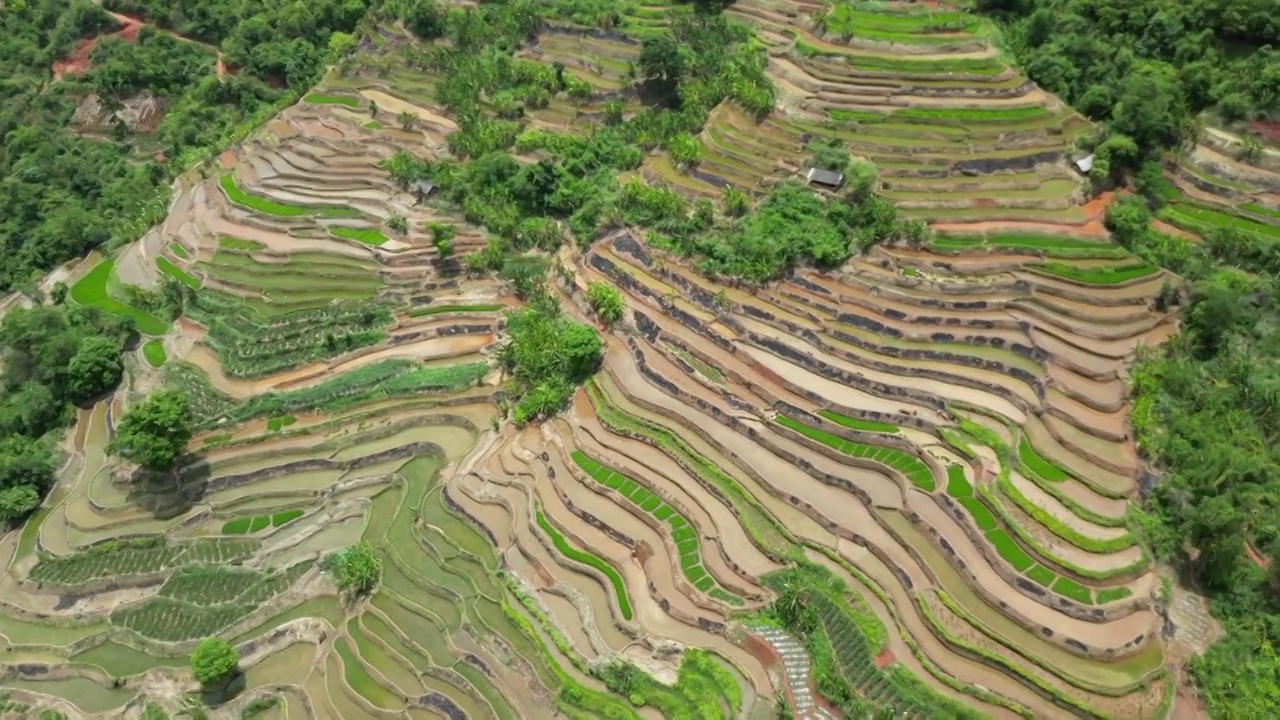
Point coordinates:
[(214, 661), (155, 432)]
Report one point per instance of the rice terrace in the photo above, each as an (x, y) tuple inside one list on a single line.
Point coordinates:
[(628, 359)]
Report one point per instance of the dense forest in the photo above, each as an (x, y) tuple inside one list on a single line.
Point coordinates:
[(1148, 69), (1207, 404)]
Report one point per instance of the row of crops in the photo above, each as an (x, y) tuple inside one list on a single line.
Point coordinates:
[(683, 535), (202, 600), (133, 558), (395, 377), (250, 345), (912, 467)]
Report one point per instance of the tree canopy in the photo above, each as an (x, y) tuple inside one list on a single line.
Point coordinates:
[(214, 661), (155, 432), (51, 358), (357, 570)]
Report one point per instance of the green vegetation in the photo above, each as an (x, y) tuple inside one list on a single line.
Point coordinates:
[(143, 556), (387, 378), (356, 570), (154, 433), (910, 466), (1099, 274), (234, 243), (1036, 463), (1205, 220), (441, 309), (562, 545), (843, 637), (858, 423), (277, 424), (253, 339), (153, 351), (247, 525), (179, 251), (266, 206), (325, 99), (91, 290), (1107, 595), (1180, 60), (548, 356), (51, 358), (683, 535), (365, 235), (761, 527), (214, 661), (605, 301), (177, 273)]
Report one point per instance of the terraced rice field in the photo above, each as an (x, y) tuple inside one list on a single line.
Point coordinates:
[(931, 443)]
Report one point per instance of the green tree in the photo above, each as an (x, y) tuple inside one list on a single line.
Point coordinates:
[(94, 369), (407, 120), (155, 432), (357, 570), (214, 662), (661, 59), (605, 301)]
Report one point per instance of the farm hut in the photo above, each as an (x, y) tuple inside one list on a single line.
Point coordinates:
[(421, 189), (1084, 164), (827, 178)]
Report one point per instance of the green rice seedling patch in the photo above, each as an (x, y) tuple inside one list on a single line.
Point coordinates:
[(153, 351), (1059, 528), (179, 251), (177, 273), (1107, 595), (590, 560), (359, 679), (392, 669), (1038, 464), (263, 205), (1202, 219), (1011, 551), (285, 516), (915, 470), (91, 290), (975, 115), (1067, 587), (441, 309), (1042, 575), (900, 65), (898, 27), (228, 242), (130, 558), (276, 424), (1260, 210), (316, 98), (762, 527), (253, 524), (982, 517), (858, 423), (859, 116), (373, 125), (368, 236), (683, 536), (1097, 275)]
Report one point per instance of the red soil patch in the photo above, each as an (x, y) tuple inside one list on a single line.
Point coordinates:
[(1267, 129), (1093, 227), (78, 61), (982, 203), (227, 159), (884, 659)]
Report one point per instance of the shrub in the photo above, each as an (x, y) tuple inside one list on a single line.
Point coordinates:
[(214, 661)]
